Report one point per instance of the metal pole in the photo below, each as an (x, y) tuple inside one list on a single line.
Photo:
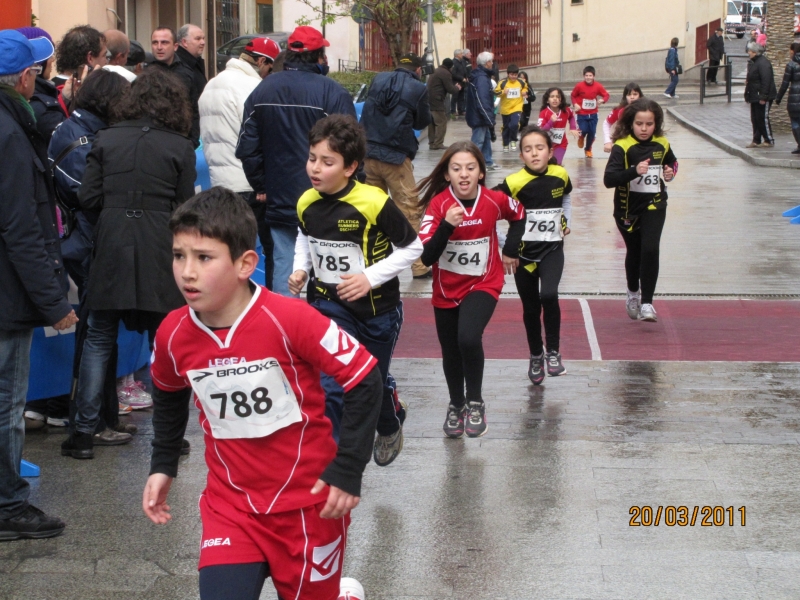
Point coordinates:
[(561, 59), (430, 25), (323, 18), (436, 46), (703, 69)]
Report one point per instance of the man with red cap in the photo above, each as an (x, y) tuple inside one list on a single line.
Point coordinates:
[(273, 141), (33, 293), (221, 112)]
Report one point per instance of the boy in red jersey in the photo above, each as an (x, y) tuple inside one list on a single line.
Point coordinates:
[(587, 96), (253, 360)]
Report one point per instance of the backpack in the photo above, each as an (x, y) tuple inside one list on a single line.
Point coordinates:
[(64, 207)]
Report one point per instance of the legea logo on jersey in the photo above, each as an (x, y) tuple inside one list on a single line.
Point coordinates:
[(325, 560), (216, 542), (339, 343)]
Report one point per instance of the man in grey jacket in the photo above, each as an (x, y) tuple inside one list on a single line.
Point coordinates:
[(33, 292)]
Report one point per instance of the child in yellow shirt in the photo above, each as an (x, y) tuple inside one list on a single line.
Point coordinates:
[(512, 92)]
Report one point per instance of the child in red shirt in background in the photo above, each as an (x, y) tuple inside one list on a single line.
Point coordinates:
[(631, 93), (554, 118), (459, 231), (587, 96)]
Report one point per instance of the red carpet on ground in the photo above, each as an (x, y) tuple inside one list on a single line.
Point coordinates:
[(693, 330)]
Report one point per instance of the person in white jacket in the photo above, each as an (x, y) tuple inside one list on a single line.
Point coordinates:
[(221, 112)]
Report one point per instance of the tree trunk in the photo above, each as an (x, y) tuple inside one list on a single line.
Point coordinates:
[(780, 35), (396, 19)]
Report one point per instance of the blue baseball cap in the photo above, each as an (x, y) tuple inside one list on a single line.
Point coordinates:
[(17, 52)]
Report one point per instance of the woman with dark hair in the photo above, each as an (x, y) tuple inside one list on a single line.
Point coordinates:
[(791, 82), (672, 66), (71, 143), (138, 171), (640, 163)]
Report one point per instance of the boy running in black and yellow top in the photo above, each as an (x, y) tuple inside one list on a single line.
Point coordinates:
[(346, 238), (641, 161), (544, 190), (512, 92)]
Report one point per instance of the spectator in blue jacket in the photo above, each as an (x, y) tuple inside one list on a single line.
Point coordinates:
[(480, 106), (396, 105), (671, 66), (273, 141)]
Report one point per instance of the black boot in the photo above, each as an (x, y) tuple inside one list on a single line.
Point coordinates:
[(78, 445), (796, 134)]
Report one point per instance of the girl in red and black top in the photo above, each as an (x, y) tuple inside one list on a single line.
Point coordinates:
[(554, 117), (459, 231), (631, 93)]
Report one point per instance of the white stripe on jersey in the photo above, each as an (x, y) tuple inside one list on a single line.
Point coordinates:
[(207, 431), (300, 403), (229, 337), (305, 555), (172, 356)]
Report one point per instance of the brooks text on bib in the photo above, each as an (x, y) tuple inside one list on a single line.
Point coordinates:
[(650, 183), (247, 400), (543, 225), (333, 259), (465, 257)]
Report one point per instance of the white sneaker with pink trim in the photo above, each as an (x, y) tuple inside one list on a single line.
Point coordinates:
[(351, 589)]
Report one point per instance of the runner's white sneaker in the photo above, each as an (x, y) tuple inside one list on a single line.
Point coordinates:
[(351, 589), (633, 304), (648, 313)]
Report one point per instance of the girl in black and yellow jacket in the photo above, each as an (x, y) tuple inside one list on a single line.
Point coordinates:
[(640, 163)]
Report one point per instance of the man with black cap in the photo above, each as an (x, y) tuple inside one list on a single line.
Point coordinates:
[(396, 105), (440, 83), (273, 141), (33, 293)]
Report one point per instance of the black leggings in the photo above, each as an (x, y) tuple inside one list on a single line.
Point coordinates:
[(534, 301), (240, 581), (460, 332), (641, 260)]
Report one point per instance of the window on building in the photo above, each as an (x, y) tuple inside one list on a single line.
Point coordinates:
[(265, 21), (511, 29)]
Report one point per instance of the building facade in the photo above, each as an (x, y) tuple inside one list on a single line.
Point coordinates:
[(553, 39)]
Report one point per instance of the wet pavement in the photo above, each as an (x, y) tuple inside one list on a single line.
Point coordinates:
[(541, 506), (728, 126)]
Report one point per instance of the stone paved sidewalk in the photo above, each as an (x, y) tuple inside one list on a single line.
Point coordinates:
[(727, 126)]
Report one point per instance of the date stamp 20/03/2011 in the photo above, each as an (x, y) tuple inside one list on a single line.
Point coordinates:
[(682, 516)]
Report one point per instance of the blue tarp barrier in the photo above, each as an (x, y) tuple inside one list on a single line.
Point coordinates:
[(203, 181), (52, 353)]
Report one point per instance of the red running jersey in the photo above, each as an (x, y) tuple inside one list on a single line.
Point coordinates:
[(471, 262), (262, 408), (615, 115), (556, 130), (585, 96)]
